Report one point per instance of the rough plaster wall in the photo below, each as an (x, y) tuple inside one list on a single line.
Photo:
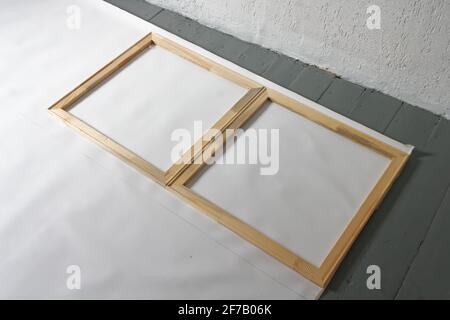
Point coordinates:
[(408, 58)]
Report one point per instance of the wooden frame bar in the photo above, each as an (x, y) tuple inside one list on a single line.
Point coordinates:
[(177, 176)]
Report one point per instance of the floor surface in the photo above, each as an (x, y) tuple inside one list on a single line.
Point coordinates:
[(408, 235)]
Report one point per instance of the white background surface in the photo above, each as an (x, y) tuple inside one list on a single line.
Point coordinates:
[(157, 93), (65, 201), (407, 58)]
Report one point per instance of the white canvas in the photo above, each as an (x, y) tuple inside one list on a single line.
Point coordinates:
[(157, 93)]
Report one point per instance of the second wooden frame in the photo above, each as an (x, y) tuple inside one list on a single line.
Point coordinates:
[(322, 274)]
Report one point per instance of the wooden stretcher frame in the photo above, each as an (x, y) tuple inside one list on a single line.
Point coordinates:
[(177, 176)]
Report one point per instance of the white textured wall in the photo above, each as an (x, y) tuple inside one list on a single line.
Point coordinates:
[(408, 58)]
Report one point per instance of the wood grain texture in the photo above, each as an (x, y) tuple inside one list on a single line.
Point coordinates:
[(253, 98)]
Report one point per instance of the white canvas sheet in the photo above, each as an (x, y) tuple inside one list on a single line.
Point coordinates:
[(66, 201), (159, 92), (322, 180)]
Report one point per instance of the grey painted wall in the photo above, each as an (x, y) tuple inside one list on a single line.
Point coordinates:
[(408, 57)]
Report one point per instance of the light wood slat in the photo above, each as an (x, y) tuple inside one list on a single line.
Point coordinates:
[(254, 97), (178, 175), (334, 125), (204, 62), (212, 148), (101, 75)]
